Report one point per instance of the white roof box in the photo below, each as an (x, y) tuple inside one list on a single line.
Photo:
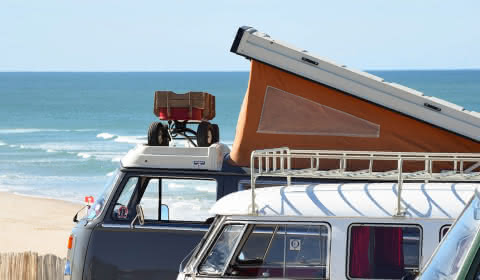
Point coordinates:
[(205, 158), (261, 47)]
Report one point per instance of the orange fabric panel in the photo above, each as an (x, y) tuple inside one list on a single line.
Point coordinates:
[(310, 118), (398, 133)]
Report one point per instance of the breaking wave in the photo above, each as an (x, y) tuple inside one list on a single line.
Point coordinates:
[(84, 155), (37, 130), (106, 136), (131, 139)]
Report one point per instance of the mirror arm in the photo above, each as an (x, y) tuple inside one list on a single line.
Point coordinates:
[(132, 224), (75, 218)]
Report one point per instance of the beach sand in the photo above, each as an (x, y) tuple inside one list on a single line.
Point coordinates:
[(35, 224)]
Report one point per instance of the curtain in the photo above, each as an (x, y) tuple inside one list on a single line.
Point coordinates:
[(359, 261), (388, 252)]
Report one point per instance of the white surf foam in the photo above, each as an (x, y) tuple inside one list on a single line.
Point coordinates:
[(55, 187), (2, 143), (36, 130), (131, 139), (175, 186), (208, 189), (84, 155), (117, 159), (106, 135)]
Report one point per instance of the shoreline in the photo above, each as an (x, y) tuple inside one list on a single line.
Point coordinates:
[(35, 224)]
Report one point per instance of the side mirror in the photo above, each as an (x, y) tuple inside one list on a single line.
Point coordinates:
[(140, 217), (75, 218)]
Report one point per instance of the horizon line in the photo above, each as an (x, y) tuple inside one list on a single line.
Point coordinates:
[(217, 71)]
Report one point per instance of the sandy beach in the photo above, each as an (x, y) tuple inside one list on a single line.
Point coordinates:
[(35, 224)]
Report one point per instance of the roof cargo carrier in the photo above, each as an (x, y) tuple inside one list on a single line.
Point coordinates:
[(302, 101), (179, 110)]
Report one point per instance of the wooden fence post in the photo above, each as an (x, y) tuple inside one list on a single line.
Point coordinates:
[(31, 266)]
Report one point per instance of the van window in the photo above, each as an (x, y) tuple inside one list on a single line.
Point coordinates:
[(188, 199), (122, 208), (151, 200), (282, 251), (383, 251), (443, 231), (166, 199), (218, 256)]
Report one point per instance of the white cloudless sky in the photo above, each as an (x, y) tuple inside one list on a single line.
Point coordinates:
[(121, 35)]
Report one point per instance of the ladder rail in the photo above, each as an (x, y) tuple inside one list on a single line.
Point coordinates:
[(277, 162)]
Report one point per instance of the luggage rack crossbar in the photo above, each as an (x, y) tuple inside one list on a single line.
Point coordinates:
[(280, 162)]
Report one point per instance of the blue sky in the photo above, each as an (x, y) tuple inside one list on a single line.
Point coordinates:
[(105, 35)]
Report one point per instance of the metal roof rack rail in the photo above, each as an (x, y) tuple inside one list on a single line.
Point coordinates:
[(278, 163)]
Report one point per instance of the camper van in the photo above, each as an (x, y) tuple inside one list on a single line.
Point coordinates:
[(458, 256), (331, 230), (155, 210)]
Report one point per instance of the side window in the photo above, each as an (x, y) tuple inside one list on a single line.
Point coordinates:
[(443, 231), (122, 208), (187, 199), (383, 252), (218, 255), (283, 251), (306, 252), (150, 200), (167, 199)]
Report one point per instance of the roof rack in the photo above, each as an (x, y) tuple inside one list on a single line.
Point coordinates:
[(278, 163)]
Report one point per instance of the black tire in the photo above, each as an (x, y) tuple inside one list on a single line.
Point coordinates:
[(216, 133), (158, 135), (205, 134)]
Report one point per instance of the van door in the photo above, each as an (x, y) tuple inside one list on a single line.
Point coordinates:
[(176, 213)]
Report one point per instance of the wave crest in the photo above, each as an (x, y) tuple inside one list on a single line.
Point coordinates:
[(84, 155), (131, 139), (106, 135), (36, 130)]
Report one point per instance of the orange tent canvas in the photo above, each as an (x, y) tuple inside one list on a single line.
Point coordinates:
[(284, 110)]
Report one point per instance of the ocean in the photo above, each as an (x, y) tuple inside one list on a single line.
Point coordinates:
[(63, 134)]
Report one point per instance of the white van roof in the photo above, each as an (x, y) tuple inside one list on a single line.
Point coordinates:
[(376, 200)]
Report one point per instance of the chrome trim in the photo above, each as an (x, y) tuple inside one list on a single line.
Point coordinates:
[(207, 244), (159, 227), (234, 249)]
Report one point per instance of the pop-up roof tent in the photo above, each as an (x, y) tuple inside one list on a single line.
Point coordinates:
[(297, 100)]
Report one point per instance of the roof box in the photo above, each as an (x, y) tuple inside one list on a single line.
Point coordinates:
[(299, 100), (204, 158)]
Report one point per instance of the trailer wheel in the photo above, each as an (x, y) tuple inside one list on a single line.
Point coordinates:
[(158, 134), (216, 133), (205, 134)]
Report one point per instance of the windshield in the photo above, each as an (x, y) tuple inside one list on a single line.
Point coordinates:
[(97, 208), (447, 261)]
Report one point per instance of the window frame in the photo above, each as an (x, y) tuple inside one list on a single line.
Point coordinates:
[(142, 184), (118, 194), (442, 228), (349, 230), (244, 237), (212, 244)]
